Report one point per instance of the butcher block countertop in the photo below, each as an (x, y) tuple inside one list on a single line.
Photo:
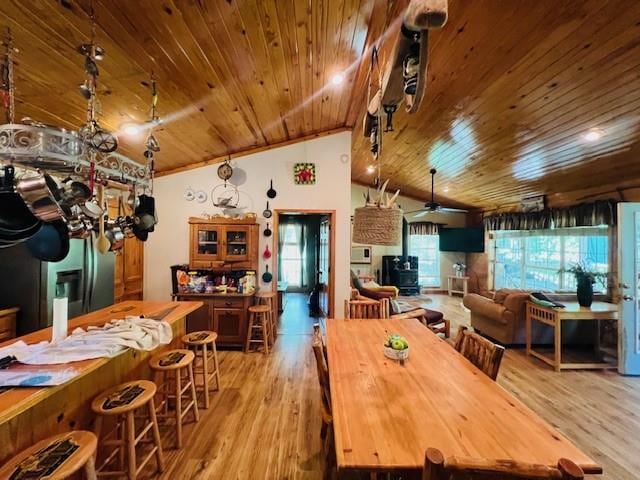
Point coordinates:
[(15, 401)]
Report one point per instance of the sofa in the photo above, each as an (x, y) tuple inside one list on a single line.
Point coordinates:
[(503, 317)]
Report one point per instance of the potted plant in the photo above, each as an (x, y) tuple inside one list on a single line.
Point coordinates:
[(585, 280)]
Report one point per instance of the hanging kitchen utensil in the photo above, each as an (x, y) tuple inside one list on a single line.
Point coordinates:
[(267, 231), (271, 193), (91, 209), (144, 216), (267, 253), (17, 223), (225, 197), (51, 243), (74, 193), (41, 194), (102, 242), (140, 234), (115, 235), (114, 232), (225, 171), (267, 213), (266, 276)]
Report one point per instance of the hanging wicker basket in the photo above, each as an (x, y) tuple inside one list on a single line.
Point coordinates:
[(377, 226)]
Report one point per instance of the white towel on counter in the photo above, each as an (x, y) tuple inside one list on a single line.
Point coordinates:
[(95, 342)]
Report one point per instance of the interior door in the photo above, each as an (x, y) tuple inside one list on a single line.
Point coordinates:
[(323, 265), (629, 273)]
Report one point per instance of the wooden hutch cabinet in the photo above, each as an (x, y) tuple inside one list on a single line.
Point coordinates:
[(223, 243)]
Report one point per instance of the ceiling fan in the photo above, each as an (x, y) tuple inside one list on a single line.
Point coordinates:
[(433, 206)]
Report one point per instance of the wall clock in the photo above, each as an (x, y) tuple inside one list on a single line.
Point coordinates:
[(304, 173)]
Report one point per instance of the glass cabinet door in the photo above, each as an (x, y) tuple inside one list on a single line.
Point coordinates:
[(237, 242), (207, 242)]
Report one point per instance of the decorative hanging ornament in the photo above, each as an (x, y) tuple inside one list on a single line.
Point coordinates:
[(225, 171), (94, 136)]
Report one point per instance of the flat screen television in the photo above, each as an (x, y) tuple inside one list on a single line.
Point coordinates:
[(467, 240)]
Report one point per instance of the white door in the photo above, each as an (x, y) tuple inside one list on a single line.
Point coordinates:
[(629, 282)]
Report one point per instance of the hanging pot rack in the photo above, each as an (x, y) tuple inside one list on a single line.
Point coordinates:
[(89, 152), (62, 152)]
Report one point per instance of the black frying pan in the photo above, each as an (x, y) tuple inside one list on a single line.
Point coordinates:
[(267, 231), (17, 223), (266, 276), (51, 243), (271, 193)]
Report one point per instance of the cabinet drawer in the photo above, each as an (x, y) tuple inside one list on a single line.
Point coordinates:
[(230, 302)]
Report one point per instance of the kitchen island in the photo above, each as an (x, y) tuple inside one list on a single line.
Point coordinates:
[(224, 313), (28, 415)]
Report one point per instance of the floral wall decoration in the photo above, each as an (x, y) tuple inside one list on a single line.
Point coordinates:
[(304, 173)]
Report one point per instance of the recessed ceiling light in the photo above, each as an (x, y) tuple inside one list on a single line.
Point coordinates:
[(446, 189), (337, 78), (131, 129), (371, 169), (593, 135)]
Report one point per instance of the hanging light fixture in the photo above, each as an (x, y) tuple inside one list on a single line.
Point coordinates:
[(379, 222)]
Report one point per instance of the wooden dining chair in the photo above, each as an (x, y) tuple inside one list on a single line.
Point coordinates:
[(436, 467), (483, 353), (326, 432), (366, 308)]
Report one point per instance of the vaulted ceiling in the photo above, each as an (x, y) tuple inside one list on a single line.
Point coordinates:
[(513, 85)]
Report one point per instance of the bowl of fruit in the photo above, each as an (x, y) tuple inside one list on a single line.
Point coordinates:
[(396, 347)]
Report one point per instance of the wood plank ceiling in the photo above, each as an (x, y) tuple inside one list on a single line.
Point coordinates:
[(512, 88), (232, 75)]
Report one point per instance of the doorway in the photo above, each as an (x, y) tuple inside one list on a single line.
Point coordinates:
[(304, 266)]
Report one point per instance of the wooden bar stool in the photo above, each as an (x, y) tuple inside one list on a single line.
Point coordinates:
[(269, 299), (203, 344), (122, 402), (172, 365), (55, 458), (258, 322)]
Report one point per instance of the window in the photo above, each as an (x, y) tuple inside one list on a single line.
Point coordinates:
[(291, 256), (531, 260), (426, 248)]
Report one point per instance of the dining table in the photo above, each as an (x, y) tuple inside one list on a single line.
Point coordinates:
[(387, 413)]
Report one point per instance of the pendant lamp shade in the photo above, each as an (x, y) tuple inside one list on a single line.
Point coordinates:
[(373, 225)]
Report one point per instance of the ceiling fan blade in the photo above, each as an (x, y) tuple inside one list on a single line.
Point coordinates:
[(421, 213), (453, 210)]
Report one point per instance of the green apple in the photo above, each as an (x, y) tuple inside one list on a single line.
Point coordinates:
[(397, 344)]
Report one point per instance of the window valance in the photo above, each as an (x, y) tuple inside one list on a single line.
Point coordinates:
[(602, 212), (424, 228)]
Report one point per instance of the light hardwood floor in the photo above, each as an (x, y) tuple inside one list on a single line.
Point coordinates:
[(265, 422)]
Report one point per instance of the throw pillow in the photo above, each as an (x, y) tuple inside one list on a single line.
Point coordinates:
[(370, 285)]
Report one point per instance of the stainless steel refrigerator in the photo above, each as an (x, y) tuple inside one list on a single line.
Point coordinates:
[(85, 277)]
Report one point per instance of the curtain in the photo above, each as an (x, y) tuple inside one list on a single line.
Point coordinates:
[(424, 228), (282, 230), (602, 212)]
